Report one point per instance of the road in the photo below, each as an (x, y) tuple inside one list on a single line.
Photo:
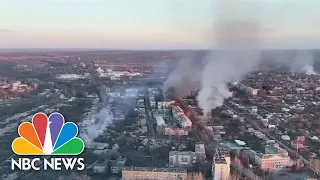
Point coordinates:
[(151, 133)]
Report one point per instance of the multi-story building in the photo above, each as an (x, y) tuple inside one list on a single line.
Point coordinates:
[(176, 111), (148, 173), (271, 161), (182, 158), (274, 158), (114, 165), (179, 115), (221, 164), (200, 153)]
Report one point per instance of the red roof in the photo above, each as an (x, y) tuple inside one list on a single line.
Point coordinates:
[(297, 142)]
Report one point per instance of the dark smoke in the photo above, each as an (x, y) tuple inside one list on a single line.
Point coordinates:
[(185, 76)]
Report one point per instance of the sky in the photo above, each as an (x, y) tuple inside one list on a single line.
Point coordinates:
[(147, 24)]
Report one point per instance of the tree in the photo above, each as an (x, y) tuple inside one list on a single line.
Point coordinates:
[(74, 176), (315, 165), (108, 171), (195, 176)]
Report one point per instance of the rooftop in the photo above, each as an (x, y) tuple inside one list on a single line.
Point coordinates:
[(220, 160), (240, 143), (119, 162), (152, 169), (222, 152), (274, 150), (181, 153), (232, 145)]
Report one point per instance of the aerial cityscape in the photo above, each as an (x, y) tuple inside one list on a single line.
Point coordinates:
[(245, 107)]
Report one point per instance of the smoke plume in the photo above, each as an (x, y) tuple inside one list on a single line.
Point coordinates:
[(238, 38), (303, 63), (237, 34), (185, 76), (99, 123), (160, 121)]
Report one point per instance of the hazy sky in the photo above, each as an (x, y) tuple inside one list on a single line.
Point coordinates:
[(145, 23)]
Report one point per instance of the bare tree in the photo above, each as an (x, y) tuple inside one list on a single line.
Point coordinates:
[(234, 177), (315, 165), (74, 176), (195, 176)]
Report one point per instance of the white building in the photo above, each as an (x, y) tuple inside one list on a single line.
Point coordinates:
[(274, 158), (99, 70), (70, 76), (183, 158), (115, 78)]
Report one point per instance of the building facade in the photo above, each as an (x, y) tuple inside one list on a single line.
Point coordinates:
[(183, 158), (200, 153), (221, 164), (275, 158), (272, 161), (147, 173), (179, 115)]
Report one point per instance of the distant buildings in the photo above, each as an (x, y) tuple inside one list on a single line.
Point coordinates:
[(116, 75), (15, 89), (143, 173), (250, 90), (70, 76)]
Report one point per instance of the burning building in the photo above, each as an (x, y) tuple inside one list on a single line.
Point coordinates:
[(181, 117)]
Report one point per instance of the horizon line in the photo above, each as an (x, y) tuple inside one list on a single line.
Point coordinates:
[(134, 49)]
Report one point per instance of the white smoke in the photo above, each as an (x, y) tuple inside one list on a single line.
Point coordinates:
[(160, 121), (303, 63), (238, 40), (99, 122)]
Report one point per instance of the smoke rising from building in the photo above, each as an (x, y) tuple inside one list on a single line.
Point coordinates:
[(185, 76), (99, 122), (303, 63), (238, 37), (299, 61)]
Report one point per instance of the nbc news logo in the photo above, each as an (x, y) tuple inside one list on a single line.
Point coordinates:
[(48, 137)]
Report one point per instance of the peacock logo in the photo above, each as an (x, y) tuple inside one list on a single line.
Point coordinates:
[(48, 136)]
